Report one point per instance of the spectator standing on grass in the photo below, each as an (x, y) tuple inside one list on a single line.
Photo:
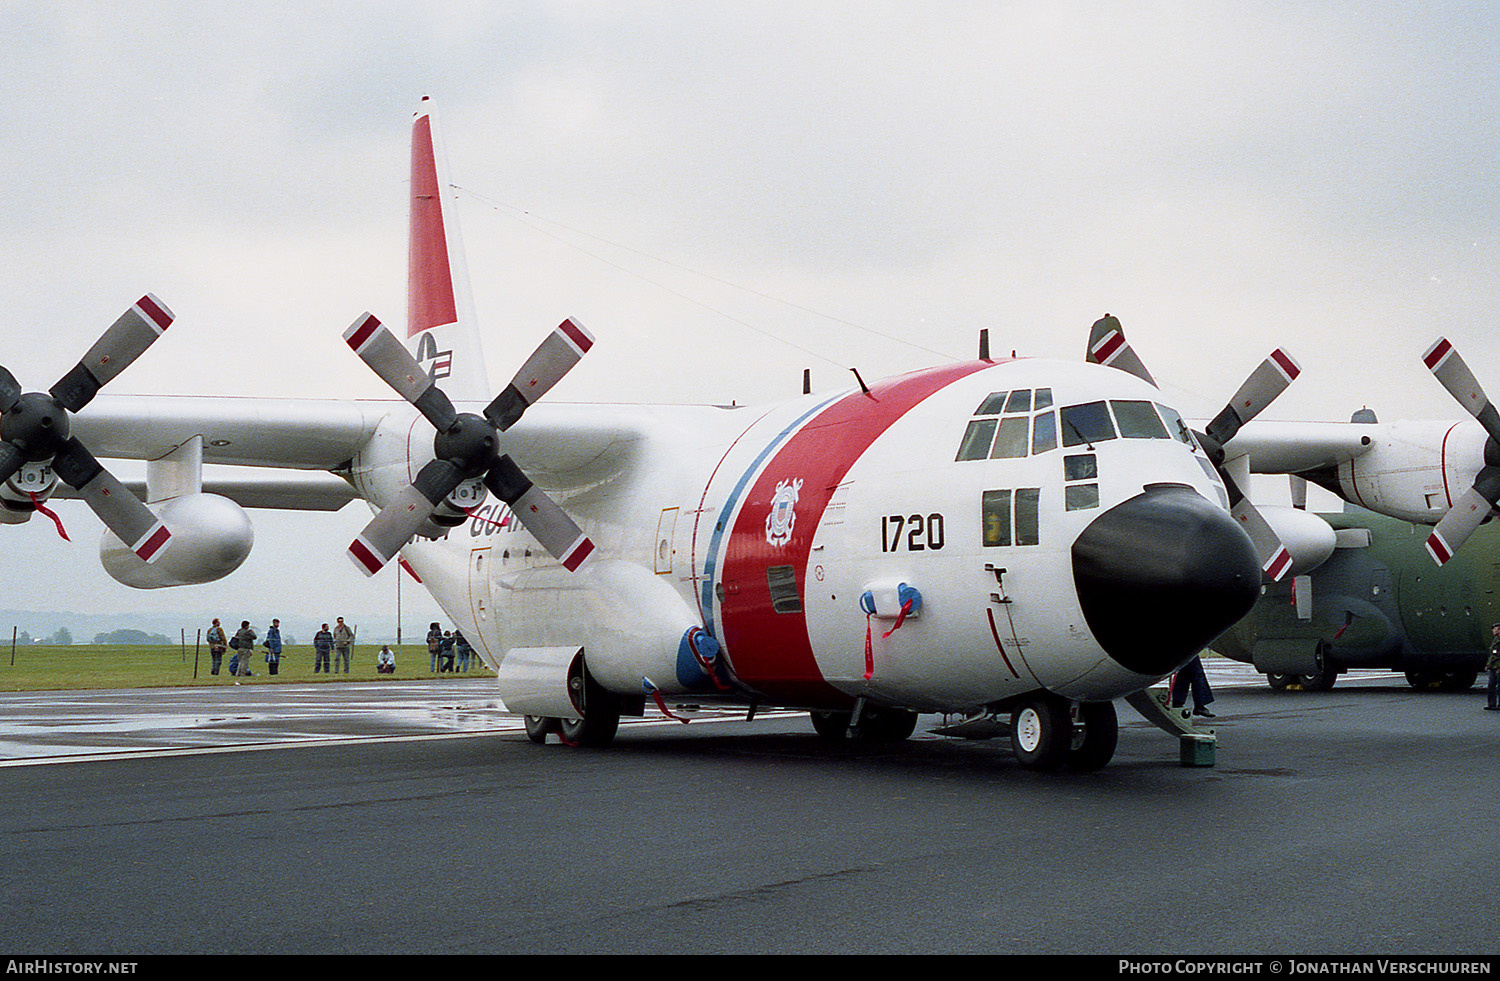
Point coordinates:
[(445, 652), (244, 646), (434, 645), (217, 644), (462, 649), (273, 646), (343, 645), (322, 647)]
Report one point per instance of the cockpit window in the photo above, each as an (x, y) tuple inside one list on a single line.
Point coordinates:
[(1010, 425), (1011, 438), (993, 404), (1138, 420), (1086, 423), (1044, 432), (977, 439), (1175, 425)]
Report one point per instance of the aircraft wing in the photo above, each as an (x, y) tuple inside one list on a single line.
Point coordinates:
[(284, 491), (1297, 447), (299, 434)]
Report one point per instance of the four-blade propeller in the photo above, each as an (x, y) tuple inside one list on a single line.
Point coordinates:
[(1107, 345), (1476, 503), (467, 445), (35, 427)]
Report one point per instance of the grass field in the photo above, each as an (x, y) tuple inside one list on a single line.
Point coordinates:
[(41, 667)]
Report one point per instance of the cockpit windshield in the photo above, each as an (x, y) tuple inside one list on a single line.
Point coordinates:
[(1010, 425)]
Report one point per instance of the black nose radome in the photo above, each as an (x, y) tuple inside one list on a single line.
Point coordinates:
[(1161, 575)]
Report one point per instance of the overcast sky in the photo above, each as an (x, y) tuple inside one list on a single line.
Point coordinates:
[(726, 193)]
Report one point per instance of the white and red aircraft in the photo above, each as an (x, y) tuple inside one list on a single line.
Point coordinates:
[(1018, 540)]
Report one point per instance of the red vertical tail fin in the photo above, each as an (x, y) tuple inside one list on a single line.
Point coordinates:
[(440, 331)]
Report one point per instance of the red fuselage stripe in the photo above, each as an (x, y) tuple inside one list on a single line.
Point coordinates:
[(772, 651)]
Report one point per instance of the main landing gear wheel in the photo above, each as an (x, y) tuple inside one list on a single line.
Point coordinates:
[(538, 726), (831, 725), (1459, 679), (597, 730), (1041, 732), (1095, 735), (876, 724)]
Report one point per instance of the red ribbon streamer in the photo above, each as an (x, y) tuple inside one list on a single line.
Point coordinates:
[(49, 513)]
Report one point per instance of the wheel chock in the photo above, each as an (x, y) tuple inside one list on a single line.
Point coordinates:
[(1196, 746)]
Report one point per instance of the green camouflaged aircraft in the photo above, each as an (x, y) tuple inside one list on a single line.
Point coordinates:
[(1377, 602)]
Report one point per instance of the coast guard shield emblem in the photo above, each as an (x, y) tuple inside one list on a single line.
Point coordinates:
[(783, 516)]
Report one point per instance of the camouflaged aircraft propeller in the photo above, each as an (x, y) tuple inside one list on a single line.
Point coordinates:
[(1475, 504), (35, 427), (1107, 345), (466, 445)]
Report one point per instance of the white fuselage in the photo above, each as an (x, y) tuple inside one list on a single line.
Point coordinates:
[(766, 527)]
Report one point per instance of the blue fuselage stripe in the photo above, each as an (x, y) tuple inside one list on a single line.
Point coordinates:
[(726, 514)]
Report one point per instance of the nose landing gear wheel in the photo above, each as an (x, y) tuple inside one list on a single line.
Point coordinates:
[(1041, 732), (1094, 736)]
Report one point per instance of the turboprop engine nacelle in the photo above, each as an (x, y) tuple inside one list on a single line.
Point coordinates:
[(1308, 538), (1414, 470), (211, 537)]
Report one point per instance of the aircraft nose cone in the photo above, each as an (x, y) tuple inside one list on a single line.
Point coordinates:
[(1161, 575)]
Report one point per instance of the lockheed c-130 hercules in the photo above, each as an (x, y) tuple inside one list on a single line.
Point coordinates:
[(1019, 541)]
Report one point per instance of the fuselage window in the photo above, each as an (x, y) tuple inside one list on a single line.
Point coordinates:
[(782, 580), (1080, 466), (1138, 420), (1011, 438), (996, 511), (1086, 423), (977, 439), (1213, 478), (1028, 515), (1011, 516)]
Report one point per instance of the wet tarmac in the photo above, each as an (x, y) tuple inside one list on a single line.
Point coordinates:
[(415, 817), (81, 725)]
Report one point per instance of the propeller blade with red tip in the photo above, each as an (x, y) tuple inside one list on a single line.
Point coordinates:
[(389, 358), (548, 523), (1265, 383), (121, 511), (390, 530), (125, 340), (1476, 503), (1107, 346), (552, 359)]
